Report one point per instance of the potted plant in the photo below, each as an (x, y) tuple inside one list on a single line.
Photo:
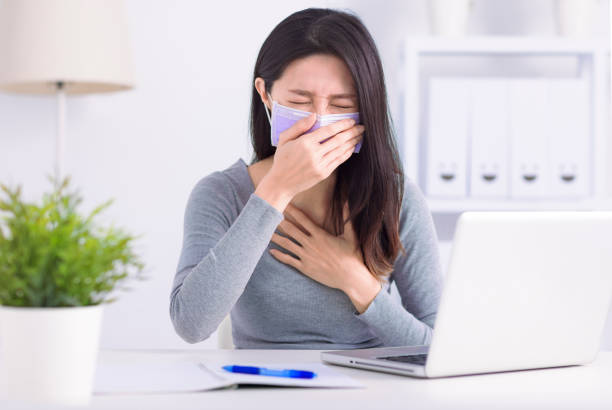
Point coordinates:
[(57, 269)]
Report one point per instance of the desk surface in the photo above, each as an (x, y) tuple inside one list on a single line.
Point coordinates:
[(573, 387)]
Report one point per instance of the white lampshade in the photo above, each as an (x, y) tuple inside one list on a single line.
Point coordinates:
[(82, 43)]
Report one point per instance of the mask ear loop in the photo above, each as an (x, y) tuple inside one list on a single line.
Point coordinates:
[(266, 109)]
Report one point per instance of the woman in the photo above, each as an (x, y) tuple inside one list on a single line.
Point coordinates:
[(321, 280)]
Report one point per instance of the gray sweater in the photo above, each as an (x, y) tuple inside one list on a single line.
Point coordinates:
[(225, 267)]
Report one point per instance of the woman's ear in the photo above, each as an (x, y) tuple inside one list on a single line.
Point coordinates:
[(260, 86)]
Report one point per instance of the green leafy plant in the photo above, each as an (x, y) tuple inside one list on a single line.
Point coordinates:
[(51, 256)]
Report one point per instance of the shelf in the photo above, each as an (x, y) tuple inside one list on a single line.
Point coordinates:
[(505, 45), (592, 65), (438, 205)]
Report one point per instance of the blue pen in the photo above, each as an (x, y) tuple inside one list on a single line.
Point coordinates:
[(262, 371)]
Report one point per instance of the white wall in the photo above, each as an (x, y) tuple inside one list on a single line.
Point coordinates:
[(188, 117)]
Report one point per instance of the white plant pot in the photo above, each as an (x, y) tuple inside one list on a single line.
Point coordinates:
[(449, 17), (49, 354), (575, 17)]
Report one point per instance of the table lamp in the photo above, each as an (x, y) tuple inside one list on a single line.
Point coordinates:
[(63, 47)]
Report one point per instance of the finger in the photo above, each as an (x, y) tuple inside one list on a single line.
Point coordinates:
[(297, 129), (340, 139), (287, 243), (350, 144), (296, 233), (287, 259), (329, 130), (342, 156), (302, 219)]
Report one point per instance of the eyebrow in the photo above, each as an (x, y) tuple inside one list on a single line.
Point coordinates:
[(308, 94)]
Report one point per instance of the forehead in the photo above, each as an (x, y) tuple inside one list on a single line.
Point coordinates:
[(320, 74)]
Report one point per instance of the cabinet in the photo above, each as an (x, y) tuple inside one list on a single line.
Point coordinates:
[(513, 144)]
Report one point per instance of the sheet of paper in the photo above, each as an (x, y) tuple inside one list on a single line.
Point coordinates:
[(143, 378), (326, 375), (113, 378)]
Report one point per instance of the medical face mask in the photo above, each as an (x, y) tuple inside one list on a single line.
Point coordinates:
[(284, 117)]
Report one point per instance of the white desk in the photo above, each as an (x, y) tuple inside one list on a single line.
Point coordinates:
[(574, 387)]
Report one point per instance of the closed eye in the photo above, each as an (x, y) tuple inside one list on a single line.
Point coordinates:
[(333, 105)]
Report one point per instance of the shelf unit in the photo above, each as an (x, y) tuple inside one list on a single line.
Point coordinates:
[(592, 61)]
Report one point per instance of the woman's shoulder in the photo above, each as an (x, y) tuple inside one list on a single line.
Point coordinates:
[(414, 205), (418, 234), (223, 182), (220, 186)]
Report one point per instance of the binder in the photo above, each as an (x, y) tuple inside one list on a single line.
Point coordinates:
[(528, 132), (447, 126), (570, 138), (489, 144)]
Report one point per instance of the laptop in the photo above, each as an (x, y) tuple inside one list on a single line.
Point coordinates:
[(524, 290)]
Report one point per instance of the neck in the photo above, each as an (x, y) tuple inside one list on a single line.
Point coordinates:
[(318, 196), (315, 202), (316, 199)]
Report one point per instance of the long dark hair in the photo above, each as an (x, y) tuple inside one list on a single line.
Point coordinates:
[(372, 180)]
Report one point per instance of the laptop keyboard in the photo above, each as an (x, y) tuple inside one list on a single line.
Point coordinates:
[(414, 359)]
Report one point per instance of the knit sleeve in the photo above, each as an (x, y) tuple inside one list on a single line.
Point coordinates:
[(218, 255), (418, 276)]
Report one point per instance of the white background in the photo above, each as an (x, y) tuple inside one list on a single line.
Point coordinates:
[(188, 116)]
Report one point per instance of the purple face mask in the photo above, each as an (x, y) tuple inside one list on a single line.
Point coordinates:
[(284, 117)]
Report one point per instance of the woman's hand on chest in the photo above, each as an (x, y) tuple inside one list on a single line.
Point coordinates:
[(335, 261)]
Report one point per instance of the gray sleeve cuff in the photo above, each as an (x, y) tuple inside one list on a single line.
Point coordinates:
[(257, 222), (393, 324), (269, 208)]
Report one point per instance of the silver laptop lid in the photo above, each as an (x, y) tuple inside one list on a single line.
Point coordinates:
[(523, 290)]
